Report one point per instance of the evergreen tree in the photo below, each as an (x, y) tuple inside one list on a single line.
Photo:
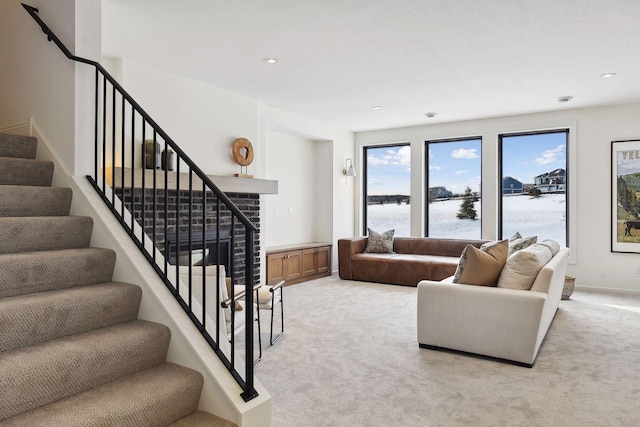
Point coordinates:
[(534, 192), (467, 211)]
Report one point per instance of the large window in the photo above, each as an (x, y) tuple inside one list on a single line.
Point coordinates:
[(387, 174), (534, 185), (453, 199)]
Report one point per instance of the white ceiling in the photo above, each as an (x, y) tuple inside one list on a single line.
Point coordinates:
[(462, 59)]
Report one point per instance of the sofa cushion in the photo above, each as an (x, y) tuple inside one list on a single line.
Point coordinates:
[(523, 266), (380, 243), (410, 269), (517, 242), (551, 244), (370, 267), (432, 246), (481, 266)]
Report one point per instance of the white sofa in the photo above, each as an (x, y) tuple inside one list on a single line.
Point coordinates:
[(502, 323)]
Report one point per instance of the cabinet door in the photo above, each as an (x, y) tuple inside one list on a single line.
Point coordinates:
[(309, 264), (293, 265), (275, 267), (323, 259)]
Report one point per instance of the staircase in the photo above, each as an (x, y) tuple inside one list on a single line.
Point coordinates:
[(72, 349)]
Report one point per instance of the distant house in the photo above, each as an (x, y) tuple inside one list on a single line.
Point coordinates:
[(511, 185), (552, 182), (439, 193)]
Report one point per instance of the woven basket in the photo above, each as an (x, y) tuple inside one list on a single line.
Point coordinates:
[(567, 290)]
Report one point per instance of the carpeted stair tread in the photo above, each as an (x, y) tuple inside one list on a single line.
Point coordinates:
[(154, 397), (43, 316), (44, 233), (40, 374), (18, 146), (28, 272), (20, 200), (202, 419), (25, 172)]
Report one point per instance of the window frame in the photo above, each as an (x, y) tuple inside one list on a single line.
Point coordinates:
[(365, 179), (567, 132), (426, 175)]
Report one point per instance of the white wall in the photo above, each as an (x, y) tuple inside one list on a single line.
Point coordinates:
[(591, 133), (291, 214), (37, 79), (334, 216), (203, 120)]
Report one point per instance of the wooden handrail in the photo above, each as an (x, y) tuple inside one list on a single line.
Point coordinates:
[(227, 303), (277, 286)]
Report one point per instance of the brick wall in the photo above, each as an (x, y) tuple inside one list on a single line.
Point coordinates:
[(177, 208)]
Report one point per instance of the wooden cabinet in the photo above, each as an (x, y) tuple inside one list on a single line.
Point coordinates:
[(298, 263), (284, 265)]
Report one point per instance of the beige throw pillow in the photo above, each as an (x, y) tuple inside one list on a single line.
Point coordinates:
[(481, 266), (523, 266)]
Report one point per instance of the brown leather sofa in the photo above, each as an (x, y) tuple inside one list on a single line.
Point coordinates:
[(414, 259)]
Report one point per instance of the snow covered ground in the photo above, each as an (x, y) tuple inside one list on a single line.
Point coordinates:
[(543, 217)]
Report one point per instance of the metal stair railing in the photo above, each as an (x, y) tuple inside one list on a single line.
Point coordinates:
[(159, 208)]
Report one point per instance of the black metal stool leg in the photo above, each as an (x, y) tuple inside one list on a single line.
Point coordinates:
[(272, 340), (259, 331)]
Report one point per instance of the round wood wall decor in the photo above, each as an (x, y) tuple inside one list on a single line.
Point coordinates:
[(242, 152)]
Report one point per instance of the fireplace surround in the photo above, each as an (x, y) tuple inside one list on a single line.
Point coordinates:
[(171, 234)]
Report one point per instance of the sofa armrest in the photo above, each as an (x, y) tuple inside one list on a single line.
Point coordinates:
[(502, 323), (346, 249)]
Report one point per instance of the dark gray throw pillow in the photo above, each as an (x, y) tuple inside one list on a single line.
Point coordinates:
[(380, 243)]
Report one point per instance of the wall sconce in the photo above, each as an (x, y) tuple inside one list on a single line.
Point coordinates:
[(348, 168)]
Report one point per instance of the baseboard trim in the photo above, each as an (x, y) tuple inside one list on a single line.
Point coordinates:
[(23, 129), (595, 289)]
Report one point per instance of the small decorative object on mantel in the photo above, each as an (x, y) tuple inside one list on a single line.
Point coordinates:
[(151, 157), (242, 155), (167, 159), (567, 290)]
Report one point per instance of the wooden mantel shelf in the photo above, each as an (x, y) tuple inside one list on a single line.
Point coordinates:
[(228, 184)]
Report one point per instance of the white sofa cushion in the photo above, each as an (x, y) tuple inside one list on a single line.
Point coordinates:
[(552, 245), (523, 266)]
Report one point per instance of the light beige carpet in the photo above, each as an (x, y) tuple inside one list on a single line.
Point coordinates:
[(350, 357)]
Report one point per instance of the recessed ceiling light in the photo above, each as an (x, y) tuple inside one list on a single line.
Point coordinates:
[(270, 60), (564, 99), (377, 107), (430, 115), (607, 75)]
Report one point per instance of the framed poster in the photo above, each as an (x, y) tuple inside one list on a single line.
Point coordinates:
[(625, 196)]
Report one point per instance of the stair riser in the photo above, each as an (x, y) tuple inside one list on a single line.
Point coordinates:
[(36, 318), (18, 146), (44, 233), (24, 273), (25, 172), (34, 201), (37, 375)]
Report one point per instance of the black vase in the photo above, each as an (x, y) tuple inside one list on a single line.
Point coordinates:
[(151, 157), (167, 159)]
